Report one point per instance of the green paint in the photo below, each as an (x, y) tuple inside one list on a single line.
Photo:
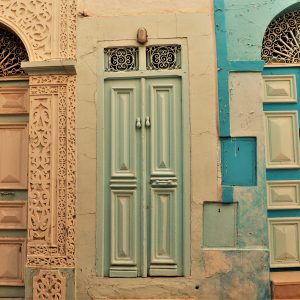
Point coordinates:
[(246, 22), (238, 161), (219, 225)]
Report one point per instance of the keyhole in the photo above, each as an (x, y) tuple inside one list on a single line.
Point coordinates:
[(219, 210), (238, 148)]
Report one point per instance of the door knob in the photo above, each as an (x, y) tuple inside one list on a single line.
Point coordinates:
[(147, 122), (138, 123)]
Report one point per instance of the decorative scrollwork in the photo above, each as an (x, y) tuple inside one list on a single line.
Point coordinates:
[(162, 57), (49, 284), (121, 59), (12, 52), (282, 39)]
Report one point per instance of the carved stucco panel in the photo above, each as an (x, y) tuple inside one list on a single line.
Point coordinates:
[(47, 26), (51, 202), (49, 284)]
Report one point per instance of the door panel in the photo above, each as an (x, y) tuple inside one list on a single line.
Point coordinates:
[(143, 166), (282, 139), (281, 106)]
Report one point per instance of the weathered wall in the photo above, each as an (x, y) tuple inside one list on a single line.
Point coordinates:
[(246, 24), (145, 7)]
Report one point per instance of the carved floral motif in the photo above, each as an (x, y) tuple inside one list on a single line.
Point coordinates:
[(49, 284), (51, 171), (37, 20)]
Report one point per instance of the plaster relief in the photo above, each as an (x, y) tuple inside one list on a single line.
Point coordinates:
[(49, 284), (51, 171), (48, 26)]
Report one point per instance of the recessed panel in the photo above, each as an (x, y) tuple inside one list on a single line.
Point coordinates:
[(283, 194), (13, 155), (280, 88), (284, 242), (219, 228), (282, 142), (123, 232), (13, 100), (12, 260), (13, 214)]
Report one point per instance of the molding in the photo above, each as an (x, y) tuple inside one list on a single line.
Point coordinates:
[(57, 67), (51, 193)]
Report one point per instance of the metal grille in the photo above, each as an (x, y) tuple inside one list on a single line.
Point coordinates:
[(162, 57), (282, 39), (12, 52), (121, 59)]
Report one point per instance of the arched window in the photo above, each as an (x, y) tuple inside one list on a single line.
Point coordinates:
[(281, 43), (12, 53)]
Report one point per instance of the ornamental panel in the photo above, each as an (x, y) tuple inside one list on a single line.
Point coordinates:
[(48, 26), (162, 57), (281, 39), (49, 284), (51, 203), (121, 59)]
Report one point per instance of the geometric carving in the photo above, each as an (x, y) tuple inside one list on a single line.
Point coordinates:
[(283, 194), (12, 52), (51, 171), (13, 215), (280, 88), (13, 155), (12, 260), (13, 100), (37, 20), (280, 43), (282, 147), (284, 242), (49, 284)]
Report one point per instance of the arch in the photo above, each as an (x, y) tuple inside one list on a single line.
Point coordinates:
[(17, 31), (281, 42), (12, 53)]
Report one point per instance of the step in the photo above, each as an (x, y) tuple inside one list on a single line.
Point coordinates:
[(285, 285)]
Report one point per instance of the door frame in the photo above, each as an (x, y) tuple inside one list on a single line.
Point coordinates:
[(186, 150)]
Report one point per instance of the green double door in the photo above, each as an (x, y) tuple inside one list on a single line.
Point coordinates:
[(143, 177)]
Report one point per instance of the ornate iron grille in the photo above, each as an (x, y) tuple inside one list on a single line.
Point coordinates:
[(162, 57), (282, 39), (12, 52), (121, 59)]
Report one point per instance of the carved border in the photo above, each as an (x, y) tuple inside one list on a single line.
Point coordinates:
[(51, 203), (49, 284), (47, 26)]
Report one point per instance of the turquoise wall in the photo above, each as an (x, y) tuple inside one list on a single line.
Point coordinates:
[(246, 22)]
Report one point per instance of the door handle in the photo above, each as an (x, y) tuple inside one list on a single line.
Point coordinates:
[(138, 123), (147, 122)]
